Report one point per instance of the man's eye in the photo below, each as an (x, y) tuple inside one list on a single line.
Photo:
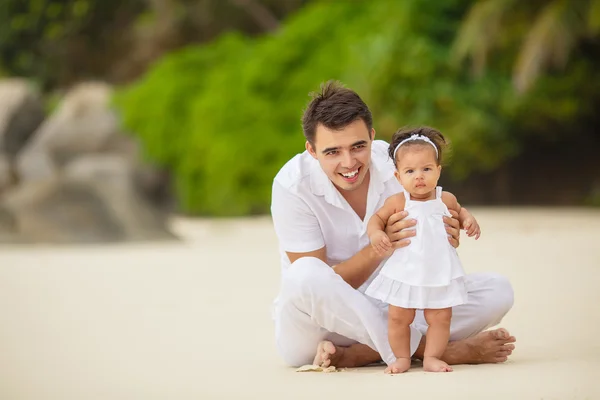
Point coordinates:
[(360, 146), (331, 153)]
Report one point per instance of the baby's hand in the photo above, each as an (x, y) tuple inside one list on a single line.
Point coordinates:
[(382, 244), (471, 226)]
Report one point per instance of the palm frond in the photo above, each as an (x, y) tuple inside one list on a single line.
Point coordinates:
[(478, 33), (549, 42), (594, 17)]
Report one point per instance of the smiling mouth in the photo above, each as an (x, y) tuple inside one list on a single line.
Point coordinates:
[(350, 176)]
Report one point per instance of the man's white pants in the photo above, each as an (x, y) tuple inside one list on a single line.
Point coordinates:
[(316, 304)]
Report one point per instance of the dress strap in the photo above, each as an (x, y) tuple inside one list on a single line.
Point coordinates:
[(438, 192)]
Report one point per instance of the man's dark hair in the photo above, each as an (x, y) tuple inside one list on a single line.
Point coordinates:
[(335, 107)]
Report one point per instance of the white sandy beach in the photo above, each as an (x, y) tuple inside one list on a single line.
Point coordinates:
[(191, 320)]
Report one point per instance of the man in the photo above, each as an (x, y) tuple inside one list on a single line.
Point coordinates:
[(321, 203)]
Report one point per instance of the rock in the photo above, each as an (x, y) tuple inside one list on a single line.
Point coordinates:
[(80, 179), (8, 227), (55, 211), (112, 178), (5, 173), (21, 112), (83, 123), (93, 200), (155, 185)]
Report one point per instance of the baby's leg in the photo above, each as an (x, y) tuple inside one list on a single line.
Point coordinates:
[(399, 320), (438, 334)]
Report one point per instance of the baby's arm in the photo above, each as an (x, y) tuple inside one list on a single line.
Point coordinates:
[(376, 226), (466, 219)]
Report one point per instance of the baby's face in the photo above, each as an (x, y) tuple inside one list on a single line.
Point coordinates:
[(417, 169)]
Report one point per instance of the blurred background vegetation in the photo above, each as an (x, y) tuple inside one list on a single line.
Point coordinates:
[(214, 89)]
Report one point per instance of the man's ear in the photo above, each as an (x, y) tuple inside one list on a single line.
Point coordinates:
[(372, 133), (310, 150)]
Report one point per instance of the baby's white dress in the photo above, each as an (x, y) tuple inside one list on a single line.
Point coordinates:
[(427, 273)]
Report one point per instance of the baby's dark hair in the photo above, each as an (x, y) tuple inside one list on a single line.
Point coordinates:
[(432, 134)]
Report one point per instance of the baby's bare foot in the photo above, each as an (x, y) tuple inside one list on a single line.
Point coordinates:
[(433, 364), (399, 366)]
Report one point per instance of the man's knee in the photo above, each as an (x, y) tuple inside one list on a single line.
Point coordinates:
[(306, 267), (293, 357), (502, 298), (306, 273)]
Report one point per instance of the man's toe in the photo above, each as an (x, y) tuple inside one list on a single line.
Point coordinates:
[(501, 333)]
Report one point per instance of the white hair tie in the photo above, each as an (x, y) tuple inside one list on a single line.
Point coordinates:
[(416, 137)]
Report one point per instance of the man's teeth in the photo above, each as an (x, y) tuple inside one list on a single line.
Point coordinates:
[(350, 174)]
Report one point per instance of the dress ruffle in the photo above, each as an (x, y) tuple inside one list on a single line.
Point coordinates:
[(403, 295)]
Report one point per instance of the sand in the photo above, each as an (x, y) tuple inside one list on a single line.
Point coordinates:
[(191, 320)]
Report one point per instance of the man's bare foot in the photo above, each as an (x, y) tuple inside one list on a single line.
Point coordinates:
[(399, 366), (325, 351), (486, 347), (356, 355), (434, 364)]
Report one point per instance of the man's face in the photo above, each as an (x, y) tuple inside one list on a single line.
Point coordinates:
[(345, 154), (417, 169)]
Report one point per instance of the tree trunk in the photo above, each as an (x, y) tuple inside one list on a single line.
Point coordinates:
[(261, 14)]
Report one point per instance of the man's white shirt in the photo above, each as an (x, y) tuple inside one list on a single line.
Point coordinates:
[(309, 212)]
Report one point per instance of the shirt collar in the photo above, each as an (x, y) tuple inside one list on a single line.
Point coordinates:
[(321, 185)]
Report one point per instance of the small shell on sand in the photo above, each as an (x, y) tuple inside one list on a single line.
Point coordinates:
[(316, 368)]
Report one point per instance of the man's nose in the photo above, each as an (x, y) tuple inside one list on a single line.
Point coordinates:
[(347, 160)]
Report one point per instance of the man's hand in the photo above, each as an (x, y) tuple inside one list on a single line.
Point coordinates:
[(382, 244), (453, 228), (397, 229)]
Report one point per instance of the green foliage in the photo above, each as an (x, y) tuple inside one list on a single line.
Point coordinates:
[(59, 42), (539, 35), (50, 41), (226, 116), (26, 26)]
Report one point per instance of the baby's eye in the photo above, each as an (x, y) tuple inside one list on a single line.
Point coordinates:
[(427, 169), (409, 171)]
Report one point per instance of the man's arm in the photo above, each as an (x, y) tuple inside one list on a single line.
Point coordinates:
[(355, 271), (299, 232), (296, 226)]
